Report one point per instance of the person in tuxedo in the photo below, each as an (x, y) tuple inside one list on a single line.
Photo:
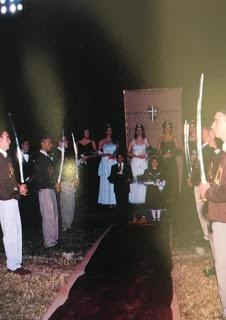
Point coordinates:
[(28, 162), (121, 176), (28, 205)]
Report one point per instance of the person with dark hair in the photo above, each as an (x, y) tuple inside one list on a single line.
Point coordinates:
[(27, 203), (121, 177), (86, 145), (155, 181), (45, 183), (192, 137), (10, 192), (168, 147), (137, 151), (28, 161), (215, 193), (192, 142), (216, 145), (87, 155), (107, 149), (68, 183)]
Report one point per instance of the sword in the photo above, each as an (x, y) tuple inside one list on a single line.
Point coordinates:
[(76, 154), (19, 153), (199, 131), (62, 158), (186, 149)]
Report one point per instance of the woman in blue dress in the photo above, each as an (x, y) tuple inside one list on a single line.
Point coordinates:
[(107, 150)]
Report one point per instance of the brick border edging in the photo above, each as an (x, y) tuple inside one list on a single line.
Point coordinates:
[(174, 303), (78, 271)]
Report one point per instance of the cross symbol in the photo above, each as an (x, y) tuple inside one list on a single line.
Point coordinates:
[(153, 113)]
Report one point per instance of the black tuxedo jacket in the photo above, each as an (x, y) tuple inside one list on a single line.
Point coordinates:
[(121, 181)]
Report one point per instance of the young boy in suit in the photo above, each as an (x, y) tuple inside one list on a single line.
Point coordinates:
[(121, 176)]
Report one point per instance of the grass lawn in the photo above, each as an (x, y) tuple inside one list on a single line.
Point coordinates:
[(194, 276), (28, 298)]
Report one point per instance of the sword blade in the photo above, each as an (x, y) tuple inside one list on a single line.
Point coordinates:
[(19, 153), (76, 154), (199, 131), (62, 158)]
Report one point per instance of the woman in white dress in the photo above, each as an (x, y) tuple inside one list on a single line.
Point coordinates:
[(137, 150), (107, 149)]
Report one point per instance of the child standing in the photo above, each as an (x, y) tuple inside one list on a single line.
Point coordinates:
[(121, 176), (155, 181)]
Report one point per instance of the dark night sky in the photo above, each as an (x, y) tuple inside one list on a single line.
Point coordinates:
[(65, 63), (60, 69)]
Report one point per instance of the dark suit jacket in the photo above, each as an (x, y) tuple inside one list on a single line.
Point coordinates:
[(121, 181), (44, 175), (8, 183)]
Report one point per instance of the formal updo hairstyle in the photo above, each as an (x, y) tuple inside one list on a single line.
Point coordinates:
[(107, 127), (84, 129)]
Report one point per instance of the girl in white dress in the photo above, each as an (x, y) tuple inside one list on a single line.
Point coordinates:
[(137, 150), (107, 149)]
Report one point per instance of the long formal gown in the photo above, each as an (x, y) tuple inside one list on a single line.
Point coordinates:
[(106, 189), (87, 175), (137, 190), (170, 168)]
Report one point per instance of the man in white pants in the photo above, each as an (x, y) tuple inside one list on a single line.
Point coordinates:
[(216, 196), (9, 211)]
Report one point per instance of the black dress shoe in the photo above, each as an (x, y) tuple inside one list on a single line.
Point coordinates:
[(21, 271)]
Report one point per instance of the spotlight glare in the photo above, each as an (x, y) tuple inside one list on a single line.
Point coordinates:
[(3, 10), (9, 7), (12, 8), (19, 7)]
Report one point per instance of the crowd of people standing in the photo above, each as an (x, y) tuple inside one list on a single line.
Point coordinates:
[(140, 181), (144, 176)]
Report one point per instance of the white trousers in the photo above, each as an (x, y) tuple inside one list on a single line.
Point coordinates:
[(219, 243), (49, 213), (12, 233), (202, 218), (67, 204)]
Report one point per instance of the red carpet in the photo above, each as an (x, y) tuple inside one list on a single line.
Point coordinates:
[(129, 277)]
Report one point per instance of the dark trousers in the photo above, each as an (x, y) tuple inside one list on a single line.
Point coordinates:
[(122, 206)]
